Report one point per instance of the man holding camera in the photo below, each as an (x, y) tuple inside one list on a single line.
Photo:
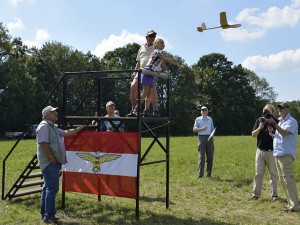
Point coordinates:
[(285, 149), (264, 133)]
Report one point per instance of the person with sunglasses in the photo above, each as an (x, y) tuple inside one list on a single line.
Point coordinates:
[(204, 126), (264, 133), (141, 61), (285, 149)]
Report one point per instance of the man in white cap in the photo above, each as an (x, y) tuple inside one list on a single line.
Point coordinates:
[(105, 124), (285, 149), (204, 126), (142, 59), (51, 155)]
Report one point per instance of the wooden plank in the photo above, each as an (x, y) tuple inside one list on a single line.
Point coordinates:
[(33, 175), (27, 192), (31, 183)]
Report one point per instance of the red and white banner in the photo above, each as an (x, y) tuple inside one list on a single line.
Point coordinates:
[(103, 163)]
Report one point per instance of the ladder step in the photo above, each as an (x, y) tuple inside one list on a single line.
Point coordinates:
[(31, 183), (33, 175), (33, 167), (27, 192)]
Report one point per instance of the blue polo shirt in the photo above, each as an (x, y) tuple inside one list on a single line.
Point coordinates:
[(286, 145), (201, 122)]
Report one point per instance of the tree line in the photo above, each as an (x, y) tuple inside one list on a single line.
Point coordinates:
[(234, 95)]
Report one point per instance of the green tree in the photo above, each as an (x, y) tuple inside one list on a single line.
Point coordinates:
[(16, 84), (118, 90), (49, 64), (263, 91), (226, 90)]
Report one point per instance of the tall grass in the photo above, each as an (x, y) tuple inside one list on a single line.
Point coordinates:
[(222, 199)]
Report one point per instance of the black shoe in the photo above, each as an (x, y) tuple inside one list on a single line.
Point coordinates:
[(155, 114), (254, 198), (50, 221), (146, 113)]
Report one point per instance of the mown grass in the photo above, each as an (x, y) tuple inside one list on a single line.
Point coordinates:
[(222, 199)]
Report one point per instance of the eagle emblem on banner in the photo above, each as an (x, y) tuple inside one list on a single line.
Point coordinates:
[(97, 159)]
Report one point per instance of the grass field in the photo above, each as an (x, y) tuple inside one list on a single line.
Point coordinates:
[(222, 199)]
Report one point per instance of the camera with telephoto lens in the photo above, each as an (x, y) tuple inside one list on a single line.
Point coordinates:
[(267, 115)]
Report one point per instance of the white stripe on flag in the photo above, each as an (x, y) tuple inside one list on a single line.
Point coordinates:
[(126, 165)]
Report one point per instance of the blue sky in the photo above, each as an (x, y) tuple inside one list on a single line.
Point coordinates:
[(267, 42)]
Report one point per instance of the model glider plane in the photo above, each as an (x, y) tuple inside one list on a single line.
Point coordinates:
[(223, 22)]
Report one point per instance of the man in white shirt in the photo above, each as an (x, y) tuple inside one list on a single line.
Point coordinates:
[(204, 126)]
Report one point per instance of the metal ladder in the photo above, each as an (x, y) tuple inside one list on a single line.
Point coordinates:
[(29, 182)]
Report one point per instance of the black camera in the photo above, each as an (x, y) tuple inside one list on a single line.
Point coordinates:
[(267, 115), (261, 119)]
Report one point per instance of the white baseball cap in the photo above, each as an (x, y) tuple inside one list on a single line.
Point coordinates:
[(110, 103), (48, 109)]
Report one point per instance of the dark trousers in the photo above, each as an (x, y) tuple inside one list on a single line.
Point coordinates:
[(205, 150)]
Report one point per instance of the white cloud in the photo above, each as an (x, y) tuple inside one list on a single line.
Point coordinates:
[(17, 25), (296, 3), (41, 36), (242, 34), (16, 2), (255, 23), (273, 17), (117, 41), (288, 60)]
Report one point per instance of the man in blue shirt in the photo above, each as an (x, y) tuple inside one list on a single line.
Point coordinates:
[(204, 127), (285, 147)]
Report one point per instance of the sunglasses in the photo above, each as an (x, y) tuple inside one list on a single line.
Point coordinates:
[(203, 109), (152, 36)]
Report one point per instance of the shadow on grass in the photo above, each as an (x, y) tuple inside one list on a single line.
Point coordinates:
[(238, 182), (127, 216), (152, 199), (79, 211)]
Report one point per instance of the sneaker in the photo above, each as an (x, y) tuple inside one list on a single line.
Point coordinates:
[(50, 221), (254, 198), (146, 113), (155, 114), (291, 210), (132, 113), (274, 198)]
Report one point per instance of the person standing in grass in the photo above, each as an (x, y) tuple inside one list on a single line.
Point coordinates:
[(51, 154), (204, 126), (285, 149), (264, 133)]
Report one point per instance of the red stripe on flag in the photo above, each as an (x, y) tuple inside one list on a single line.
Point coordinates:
[(121, 186), (109, 142)]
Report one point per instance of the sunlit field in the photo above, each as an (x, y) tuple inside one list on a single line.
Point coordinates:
[(222, 199)]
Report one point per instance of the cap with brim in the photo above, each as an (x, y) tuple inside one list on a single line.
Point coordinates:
[(150, 32), (283, 105), (48, 109), (110, 103)]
